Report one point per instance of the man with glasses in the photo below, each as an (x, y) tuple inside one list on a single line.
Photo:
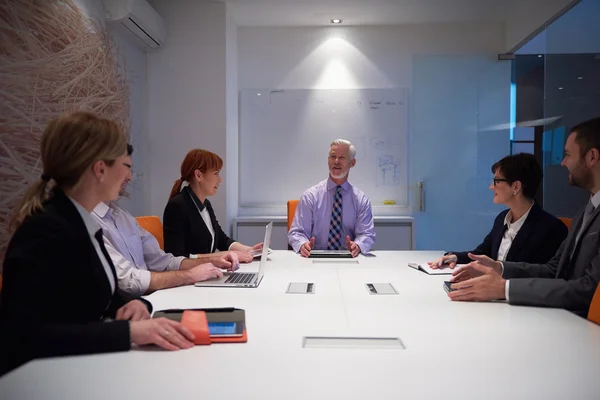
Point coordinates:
[(571, 277), (334, 214)]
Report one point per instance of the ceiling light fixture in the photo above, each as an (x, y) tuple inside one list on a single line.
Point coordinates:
[(336, 21), (580, 77), (560, 88)]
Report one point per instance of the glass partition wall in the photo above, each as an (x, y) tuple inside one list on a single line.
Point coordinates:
[(557, 77), (468, 112)]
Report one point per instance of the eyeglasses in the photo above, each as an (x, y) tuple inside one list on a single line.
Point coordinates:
[(334, 158), (496, 180)]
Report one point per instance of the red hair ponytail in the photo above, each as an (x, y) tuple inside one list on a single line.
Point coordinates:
[(196, 159)]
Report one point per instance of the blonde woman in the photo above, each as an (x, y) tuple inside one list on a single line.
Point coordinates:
[(59, 294)]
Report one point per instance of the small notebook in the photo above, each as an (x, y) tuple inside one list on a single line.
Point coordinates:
[(428, 270)]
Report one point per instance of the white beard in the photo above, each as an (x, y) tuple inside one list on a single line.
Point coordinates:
[(340, 176)]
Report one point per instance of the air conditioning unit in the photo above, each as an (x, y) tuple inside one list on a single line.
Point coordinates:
[(137, 19)]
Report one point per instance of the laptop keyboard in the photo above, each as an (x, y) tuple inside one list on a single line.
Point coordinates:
[(240, 277)]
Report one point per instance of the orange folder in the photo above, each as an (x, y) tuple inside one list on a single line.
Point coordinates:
[(197, 322)]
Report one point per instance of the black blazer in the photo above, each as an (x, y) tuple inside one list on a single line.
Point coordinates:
[(55, 291), (184, 229), (537, 241)]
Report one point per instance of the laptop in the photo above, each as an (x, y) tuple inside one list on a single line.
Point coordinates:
[(244, 279), (330, 254)]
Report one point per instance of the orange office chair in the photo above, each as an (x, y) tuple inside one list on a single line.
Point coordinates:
[(153, 225), (567, 222), (594, 312), (291, 211)]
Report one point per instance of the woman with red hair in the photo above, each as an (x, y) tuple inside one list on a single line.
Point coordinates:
[(189, 222)]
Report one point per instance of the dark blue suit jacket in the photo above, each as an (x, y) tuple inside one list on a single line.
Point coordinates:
[(537, 241)]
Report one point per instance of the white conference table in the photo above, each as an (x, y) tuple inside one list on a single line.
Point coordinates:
[(452, 350)]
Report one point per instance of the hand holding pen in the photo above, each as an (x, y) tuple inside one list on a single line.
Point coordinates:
[(449, 260)]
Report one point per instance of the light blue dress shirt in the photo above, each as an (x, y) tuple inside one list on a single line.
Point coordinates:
[(313, 216), (134, 251)]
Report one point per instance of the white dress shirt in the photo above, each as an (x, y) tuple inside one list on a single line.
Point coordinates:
[(512, 228), (508, 239), (134, 251), (92, 227)]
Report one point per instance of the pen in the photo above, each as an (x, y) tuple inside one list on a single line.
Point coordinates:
[(449, 260)]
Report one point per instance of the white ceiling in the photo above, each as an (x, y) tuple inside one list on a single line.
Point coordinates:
[(364, 12)]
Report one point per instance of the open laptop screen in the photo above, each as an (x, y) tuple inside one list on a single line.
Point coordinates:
[(265, 251)]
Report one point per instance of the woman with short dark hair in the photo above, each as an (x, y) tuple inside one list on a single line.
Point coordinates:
[(524, 232)]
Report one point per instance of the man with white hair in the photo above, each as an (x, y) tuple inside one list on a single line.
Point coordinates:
[(334, 214)]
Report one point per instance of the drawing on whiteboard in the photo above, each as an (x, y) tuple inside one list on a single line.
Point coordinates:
[(290, 118), (379, 143), (388, 173)]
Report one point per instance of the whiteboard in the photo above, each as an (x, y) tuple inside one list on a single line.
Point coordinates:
[(285, 135)]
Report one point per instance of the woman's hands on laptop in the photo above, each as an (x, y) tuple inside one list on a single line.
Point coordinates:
[(243, 256), (256, 247)]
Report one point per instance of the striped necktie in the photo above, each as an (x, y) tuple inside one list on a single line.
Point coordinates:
[(334, 241)]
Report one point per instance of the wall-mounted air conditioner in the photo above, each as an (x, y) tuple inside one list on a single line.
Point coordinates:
[(138, 19)]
